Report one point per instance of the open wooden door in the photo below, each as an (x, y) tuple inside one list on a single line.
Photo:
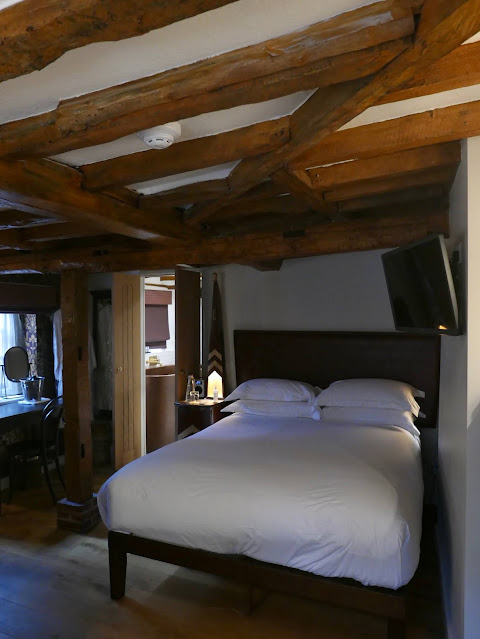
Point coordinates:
[(187, 327), (129, 367)]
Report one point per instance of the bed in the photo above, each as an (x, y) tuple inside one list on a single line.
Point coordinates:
[(203, 520)]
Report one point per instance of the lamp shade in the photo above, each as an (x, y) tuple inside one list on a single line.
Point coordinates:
[(215, 381), (216, 374)]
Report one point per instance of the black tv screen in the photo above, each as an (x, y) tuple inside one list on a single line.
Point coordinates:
[(420, 285)]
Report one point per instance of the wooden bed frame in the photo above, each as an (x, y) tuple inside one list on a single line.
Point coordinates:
[(319, 358)]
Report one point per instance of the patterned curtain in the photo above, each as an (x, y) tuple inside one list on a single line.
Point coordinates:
[(29, 323), (44, 356)]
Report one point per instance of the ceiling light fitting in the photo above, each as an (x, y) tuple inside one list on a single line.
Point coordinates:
[(161, 137)]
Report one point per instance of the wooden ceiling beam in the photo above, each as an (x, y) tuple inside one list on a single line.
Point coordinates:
[(392, 136), (358, 235), (438, 175), (327, 110), (187, 156), (284, 205), (56, 189), (13, 239), (58, 231), (460, 68), (34, 33), (300, 186), (384, 166), (301, 60), (196, 192), (13, 218), (393, 198)]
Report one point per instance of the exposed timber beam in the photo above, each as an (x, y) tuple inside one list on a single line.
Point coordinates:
[(187, 156), (197, 192), (394, 198), (392, 136), (50, 187), (300, 186), (358, 235), (460, 68), (438, 175), (354, 44), (285, 205), (34, 33), (385, 166), (326, 111)]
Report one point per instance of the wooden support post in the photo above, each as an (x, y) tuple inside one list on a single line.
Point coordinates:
[(79, 510)]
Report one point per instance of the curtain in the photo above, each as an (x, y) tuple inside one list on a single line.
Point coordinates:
[(102, 387), (44, 354), (11, 334)]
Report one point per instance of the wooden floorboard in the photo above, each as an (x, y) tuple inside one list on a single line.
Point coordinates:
[(54, 584)]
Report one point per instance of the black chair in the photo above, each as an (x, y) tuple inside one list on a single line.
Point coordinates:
[(44, 450)]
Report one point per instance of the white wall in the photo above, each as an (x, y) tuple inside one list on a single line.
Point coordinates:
[(452, 435), (459, 426), (331, 292), (472, 533)]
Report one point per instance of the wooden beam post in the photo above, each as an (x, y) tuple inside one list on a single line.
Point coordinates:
[(79, 510)]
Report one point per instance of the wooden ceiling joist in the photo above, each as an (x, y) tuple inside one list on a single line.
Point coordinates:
[(187, 156), (439, 175), (327, 110), (392, 136), (34, 33), (300, 186), (50, 187), (460, 68), (359, 235), (197, 192), (385, 166), (259, 72)]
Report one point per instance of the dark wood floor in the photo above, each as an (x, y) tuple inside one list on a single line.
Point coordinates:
[(54, 584)]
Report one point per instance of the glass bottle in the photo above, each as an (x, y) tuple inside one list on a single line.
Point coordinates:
[(190, 387)]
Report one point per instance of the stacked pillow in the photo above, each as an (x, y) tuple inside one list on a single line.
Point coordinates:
[(275, 398), (373, 401)]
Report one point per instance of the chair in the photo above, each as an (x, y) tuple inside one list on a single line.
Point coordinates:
[(44, 450)]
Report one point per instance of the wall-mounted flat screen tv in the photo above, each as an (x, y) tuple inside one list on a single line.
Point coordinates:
[(421, 289)]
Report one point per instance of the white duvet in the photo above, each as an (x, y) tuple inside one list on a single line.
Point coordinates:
[(338, 500)]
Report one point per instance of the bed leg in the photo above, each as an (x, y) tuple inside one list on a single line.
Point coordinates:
[(396, 629), (118, 570)]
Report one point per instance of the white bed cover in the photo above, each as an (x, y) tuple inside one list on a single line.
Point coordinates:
[(338, 500)]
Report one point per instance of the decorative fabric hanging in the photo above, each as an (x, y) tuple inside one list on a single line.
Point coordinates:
[(216, 355)]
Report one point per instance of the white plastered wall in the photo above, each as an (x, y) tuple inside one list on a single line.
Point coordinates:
[(459, 426)]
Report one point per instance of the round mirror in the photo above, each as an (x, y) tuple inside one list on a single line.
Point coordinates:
[(16, 364)]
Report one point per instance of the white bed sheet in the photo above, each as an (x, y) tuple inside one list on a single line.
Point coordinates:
[(338, 500)]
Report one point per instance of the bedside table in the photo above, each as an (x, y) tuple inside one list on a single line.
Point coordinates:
[(193, 416)]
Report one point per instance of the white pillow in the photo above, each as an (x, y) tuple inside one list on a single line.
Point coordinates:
[(280, 390), (273, 409), (371, 393), (378, 416)]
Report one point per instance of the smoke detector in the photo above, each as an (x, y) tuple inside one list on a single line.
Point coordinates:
[(161, 137)]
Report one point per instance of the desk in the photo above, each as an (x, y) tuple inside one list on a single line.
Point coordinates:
[(15, 415)]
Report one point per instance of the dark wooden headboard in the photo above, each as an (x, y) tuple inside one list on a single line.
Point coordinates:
[(321, 358)]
